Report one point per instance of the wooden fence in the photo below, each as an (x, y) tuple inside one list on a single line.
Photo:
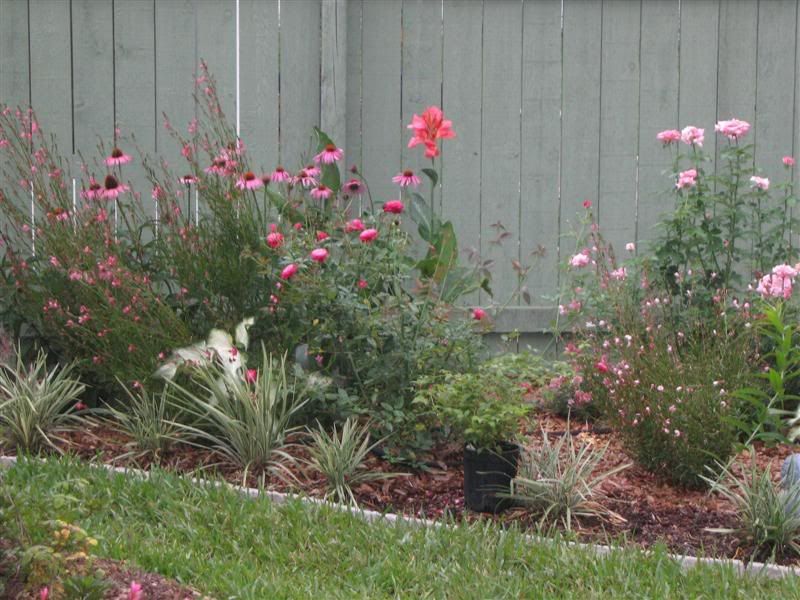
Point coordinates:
[(554, 102)]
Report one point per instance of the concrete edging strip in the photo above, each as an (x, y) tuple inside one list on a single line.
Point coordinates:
[(686, 561)]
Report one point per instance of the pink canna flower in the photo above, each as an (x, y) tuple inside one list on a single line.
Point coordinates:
[(249, 181), (761, 183), (319, 255), (329, 155), (686, 179), (788, 161), (289, 271), (321, 192), (368, 235), (354, 187), (406, 179), (733, 129), (428, 128), (135, 591), (280, 175), (113, 188), (692, 135), (117, 158), (478, 314), (668, 136), (393, 206), (354, 225), (275, 239)]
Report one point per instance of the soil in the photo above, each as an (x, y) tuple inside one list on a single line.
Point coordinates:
[(649, 510)]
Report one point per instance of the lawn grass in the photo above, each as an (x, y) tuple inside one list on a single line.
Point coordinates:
[(230, 547)]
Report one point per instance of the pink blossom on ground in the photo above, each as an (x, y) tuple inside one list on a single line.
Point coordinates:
[(321, 192), (289, 271), (693, 135), (44, 593), (686, 179), (368, 235), (354, 187), (280, 175), (478, 314), (428, 128), (319, 255), (117, 158), (135, 591), (761, 183), (668, 136), (406, 178), (354, 225), (732, 129), (393, 206), (329, 155), (249, 181), (113, 188), (580, 260), (274, 239), (788, 161)]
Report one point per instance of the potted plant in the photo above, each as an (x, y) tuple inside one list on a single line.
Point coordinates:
[(485, 409)]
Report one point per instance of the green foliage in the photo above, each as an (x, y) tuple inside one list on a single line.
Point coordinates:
[(525, 369), (768, 517), (340, 457), (557, 481), (36, 403), (483, 407)]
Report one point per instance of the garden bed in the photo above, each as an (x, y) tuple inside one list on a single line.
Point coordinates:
[(651, 511)]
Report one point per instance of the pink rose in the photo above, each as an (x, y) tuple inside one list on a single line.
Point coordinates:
[(775, 286), (319, 255), (393, 206), (478, 314), (788, 161), (693, 135), (784, 271), (579, 260), (289, 271), (368, 235), (668, 136), (761, 183), (630, 247), (733, 129), (687, 179)]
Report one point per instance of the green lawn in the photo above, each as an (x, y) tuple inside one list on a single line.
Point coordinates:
[(231, 547)]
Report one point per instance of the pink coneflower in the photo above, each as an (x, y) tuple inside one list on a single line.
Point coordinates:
[(274, 239), (289, 271), (329, 155), (188, 179), (304, 178), (368, 235), (393, 206), (313, 170), (249, 181), (354, 225), (94, 192), (319, 255), (321, 192), (113, 188), (280, 175), (265, 179), (118, 157), (354, 187), (406, 178)]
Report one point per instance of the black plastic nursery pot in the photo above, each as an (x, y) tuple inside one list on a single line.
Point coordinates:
[(488, 475)]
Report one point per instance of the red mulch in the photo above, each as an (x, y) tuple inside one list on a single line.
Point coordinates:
[(653, 511)]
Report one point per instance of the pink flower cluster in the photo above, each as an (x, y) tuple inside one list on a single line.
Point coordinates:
[(778, 284), (686, 179)]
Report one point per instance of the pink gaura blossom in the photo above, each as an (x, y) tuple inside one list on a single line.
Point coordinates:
[(761, 183), (428, 128), (251, 376), (686, 179), (274, 239), (406, 179), (322, 236), (219, 166), (135, 591), (280, 175), (368, 235), (668, 136), (329, 155), (321, 192), (249, 181), (619, 274), (117, 158), (788, 161), (289, 271), (478, 314), (113, 188), (304, 178), (732, 129), (319, 255), (354, 225), (693, 135), (393, 206), (580, 260), (188, 179), (354, 187)]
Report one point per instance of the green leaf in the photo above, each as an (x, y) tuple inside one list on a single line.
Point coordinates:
[(330, 172), (432, 175)]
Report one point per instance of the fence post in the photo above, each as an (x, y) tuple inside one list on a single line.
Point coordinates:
[(333, 78)]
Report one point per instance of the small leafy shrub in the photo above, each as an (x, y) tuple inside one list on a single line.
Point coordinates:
[(528, 370), (247, 420), (484, 408), (36, 403), (340, 456), (557, 481), (768, 516)]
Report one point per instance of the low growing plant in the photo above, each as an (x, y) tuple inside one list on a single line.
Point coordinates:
[(36, 403)]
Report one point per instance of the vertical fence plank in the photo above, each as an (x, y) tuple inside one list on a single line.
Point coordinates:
[(698, 77), (93, 76), (500, 145), (216, 45), (619, 121), (14, 75), (461, 102), (258, 84), (333, 72), (422, 70), (658, 110), (581, 113), (381, 96), (300, 77), (541, 144), (51, 71), (776, 74), (354, 66)]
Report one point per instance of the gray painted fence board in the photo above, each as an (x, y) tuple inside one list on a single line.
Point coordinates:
[(216, 45), (541, 147), (333, 71), (300, 77), (14, 74), (796, 113), (258, 83), (461, 102), (353, 108)]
